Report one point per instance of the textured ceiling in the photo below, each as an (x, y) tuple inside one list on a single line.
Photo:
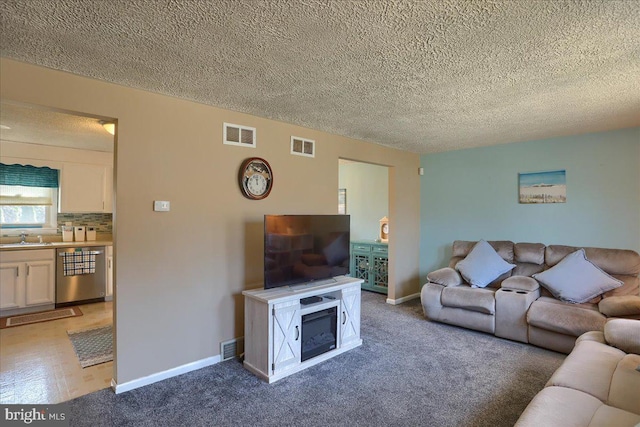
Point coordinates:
[(424, 76), (38, 126)]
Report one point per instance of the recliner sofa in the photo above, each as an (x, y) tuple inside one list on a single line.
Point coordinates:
[(515, 306)]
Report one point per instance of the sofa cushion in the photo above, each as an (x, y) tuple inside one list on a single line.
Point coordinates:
[(564, 318), (483, 265), (521, 283), (576, 279), (531, 253), (504, 248), (625, 385), (473, 299)]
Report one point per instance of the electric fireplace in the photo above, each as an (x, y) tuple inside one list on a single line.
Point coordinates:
[(319, 332)]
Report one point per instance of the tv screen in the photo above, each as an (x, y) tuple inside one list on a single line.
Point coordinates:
[(304, 248)]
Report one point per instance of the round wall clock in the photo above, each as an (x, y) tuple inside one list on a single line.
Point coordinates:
[(255, 178)]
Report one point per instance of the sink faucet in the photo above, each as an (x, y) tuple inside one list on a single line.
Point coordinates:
[(23, 237)]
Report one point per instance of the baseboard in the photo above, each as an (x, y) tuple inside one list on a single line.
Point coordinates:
[(403, 299), (159, 376)]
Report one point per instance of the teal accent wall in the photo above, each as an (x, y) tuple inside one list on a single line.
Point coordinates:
[(367, 197), (473, 194)]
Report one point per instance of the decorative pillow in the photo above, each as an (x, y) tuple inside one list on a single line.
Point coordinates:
[(483, 265), (576, 279)]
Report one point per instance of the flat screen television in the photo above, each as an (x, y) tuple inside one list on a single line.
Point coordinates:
[(301, 249)]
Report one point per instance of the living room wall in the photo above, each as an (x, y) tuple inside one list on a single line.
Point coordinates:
[(179, 275), (473, 194)]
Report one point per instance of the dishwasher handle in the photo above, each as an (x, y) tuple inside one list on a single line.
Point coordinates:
[(82, 252)]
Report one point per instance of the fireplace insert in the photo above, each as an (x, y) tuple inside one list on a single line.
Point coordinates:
[(319, 332)]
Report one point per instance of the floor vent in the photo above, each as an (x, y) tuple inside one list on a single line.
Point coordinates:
[(231, 349), (243, 136), (303, 147)]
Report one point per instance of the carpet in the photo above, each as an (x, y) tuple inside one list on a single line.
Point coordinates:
[(408, 372), (93, 346), (44, 316)]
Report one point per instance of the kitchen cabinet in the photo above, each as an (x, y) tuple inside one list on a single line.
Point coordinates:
[(370, 262), (27, 281), (108, 295), (85, 188), (278, 319)]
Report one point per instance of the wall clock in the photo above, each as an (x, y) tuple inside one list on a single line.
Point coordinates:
[(384, 229), (255, 178)]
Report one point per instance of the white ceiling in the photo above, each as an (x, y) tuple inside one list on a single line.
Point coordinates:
[(424, 76)]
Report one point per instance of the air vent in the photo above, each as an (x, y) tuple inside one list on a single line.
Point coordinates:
[(231, 349), (243, 136), (303, 147)]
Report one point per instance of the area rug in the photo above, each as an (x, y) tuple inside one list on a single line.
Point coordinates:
[(93, 346), (28, 319)]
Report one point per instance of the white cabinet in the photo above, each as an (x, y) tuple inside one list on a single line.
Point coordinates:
[(276, 321), (85, 188), (350, 316), (27, 280), (286, 334), (108, 294)]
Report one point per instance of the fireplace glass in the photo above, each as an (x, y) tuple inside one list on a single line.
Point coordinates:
[(319, 332)]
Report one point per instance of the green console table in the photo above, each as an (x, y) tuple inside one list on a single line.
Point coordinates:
[(370, 262)]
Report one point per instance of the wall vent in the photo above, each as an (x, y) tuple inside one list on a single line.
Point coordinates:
[(231, 349), (243, 136), (303, 147)]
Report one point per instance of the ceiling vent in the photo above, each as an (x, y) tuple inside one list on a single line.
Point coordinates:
[(303, 147), (243, 136)]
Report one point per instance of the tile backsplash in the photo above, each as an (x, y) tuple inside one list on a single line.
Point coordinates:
[(102, 221)]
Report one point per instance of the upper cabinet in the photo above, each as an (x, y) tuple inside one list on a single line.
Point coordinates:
[(85, 188)]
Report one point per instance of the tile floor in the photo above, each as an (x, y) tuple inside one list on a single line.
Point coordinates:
[(38, 364)]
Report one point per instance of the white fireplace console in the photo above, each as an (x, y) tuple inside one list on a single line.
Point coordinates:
[(273, 325)]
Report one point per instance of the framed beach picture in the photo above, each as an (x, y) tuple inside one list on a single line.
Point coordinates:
[(543, 187)]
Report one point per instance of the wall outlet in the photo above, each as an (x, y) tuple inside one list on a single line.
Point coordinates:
[(161, 206)]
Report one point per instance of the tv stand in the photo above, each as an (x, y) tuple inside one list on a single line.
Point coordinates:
[(275, 321)]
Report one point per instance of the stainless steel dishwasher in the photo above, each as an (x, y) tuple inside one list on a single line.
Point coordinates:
[(80, 275)]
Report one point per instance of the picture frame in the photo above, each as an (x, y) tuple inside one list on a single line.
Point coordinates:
[(542, 187), (342, 201)]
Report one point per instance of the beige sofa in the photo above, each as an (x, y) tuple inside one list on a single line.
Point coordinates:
[(598, 384), (516, 307)]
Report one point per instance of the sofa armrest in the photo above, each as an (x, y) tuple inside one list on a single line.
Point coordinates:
[(445, 276), (597, 336), (618, 306), (520, 283), (623, 334)]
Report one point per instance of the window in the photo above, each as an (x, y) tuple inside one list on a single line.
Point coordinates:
[(28, 198)]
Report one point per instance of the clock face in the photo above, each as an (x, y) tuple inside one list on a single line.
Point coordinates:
[(385, 228), (256, 178)]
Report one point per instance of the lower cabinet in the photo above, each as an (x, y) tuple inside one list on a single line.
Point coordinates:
[(283, 335), (370, 262), (27, 280)]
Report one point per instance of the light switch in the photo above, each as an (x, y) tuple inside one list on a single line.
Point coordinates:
[(161, 206)]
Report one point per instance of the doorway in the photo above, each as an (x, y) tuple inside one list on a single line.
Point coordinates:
[(38, 364)]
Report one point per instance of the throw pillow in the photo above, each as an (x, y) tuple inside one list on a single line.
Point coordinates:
[(483, 265), (576, 279)]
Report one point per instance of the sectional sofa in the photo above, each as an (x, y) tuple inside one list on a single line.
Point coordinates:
[(543, 295), (598, 384)]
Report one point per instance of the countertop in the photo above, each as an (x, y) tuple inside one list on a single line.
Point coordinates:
[(53, 245)]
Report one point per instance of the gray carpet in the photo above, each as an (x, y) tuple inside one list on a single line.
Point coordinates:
[(408, 372)]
